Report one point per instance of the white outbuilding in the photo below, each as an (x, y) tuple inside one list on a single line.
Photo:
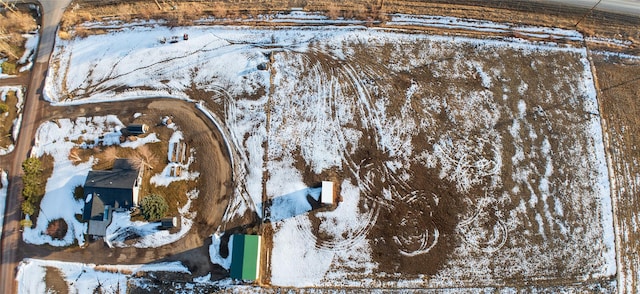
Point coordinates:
[(327, 195)]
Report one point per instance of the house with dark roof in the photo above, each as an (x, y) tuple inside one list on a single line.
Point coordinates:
[(109, 190)]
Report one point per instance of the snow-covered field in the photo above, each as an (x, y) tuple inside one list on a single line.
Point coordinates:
[(58, 138), (480, 159)]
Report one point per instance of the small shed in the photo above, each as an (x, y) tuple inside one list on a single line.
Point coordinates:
[(327, 195), (137, 129), (168, 223), (245, 257)]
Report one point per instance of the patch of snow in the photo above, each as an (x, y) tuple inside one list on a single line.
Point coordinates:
[(484, 77), (4, 186), (214, 251), (448, 22), (297, 260), (86, 278), (522, 108), (30, 46), (150, 236), (165, 178), (137, 115), (150, 138)]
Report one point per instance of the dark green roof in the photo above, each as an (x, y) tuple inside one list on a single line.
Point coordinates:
[(245, 257)]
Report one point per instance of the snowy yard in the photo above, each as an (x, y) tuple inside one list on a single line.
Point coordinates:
[(57, 139), (84, 278), (460, 162)]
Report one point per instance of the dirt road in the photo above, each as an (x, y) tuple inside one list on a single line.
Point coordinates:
[(32, 113), (629, 7)]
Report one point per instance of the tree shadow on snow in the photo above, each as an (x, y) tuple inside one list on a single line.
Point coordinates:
[(291, 205)]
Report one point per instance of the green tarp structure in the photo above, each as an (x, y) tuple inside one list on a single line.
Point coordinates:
[(245, 257)]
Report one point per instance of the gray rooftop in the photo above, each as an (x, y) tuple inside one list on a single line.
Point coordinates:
[(122, 176)]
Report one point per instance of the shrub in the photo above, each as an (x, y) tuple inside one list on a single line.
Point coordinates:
[(32, 190), (78, 192), (9, 68), (219, 11), (32, 166), (64, 35), (333, 11), (28, 207), (153, 207), (57, 229), (3, 108), (26, 223)]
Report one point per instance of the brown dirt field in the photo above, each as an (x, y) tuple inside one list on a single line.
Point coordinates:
[(409, 219), (552, 116), (619, 85)]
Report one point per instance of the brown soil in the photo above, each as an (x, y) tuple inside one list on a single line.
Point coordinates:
[(435, 210), (55, 281), (619, 84)]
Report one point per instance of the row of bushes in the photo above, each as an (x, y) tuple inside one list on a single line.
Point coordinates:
[(33, 187)]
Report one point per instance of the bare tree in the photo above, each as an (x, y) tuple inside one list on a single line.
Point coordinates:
[(74, 156), (144, 158), (110, 154)]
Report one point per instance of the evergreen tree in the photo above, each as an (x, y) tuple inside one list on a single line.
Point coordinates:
[(153, 207)]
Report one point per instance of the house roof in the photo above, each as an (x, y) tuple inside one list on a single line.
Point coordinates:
[(113, 188), (122, 176), (245, 257)]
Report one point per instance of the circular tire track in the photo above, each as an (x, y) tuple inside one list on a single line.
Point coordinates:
[(483, 231)]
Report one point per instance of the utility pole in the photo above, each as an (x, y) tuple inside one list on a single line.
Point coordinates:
[(588, 12)]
